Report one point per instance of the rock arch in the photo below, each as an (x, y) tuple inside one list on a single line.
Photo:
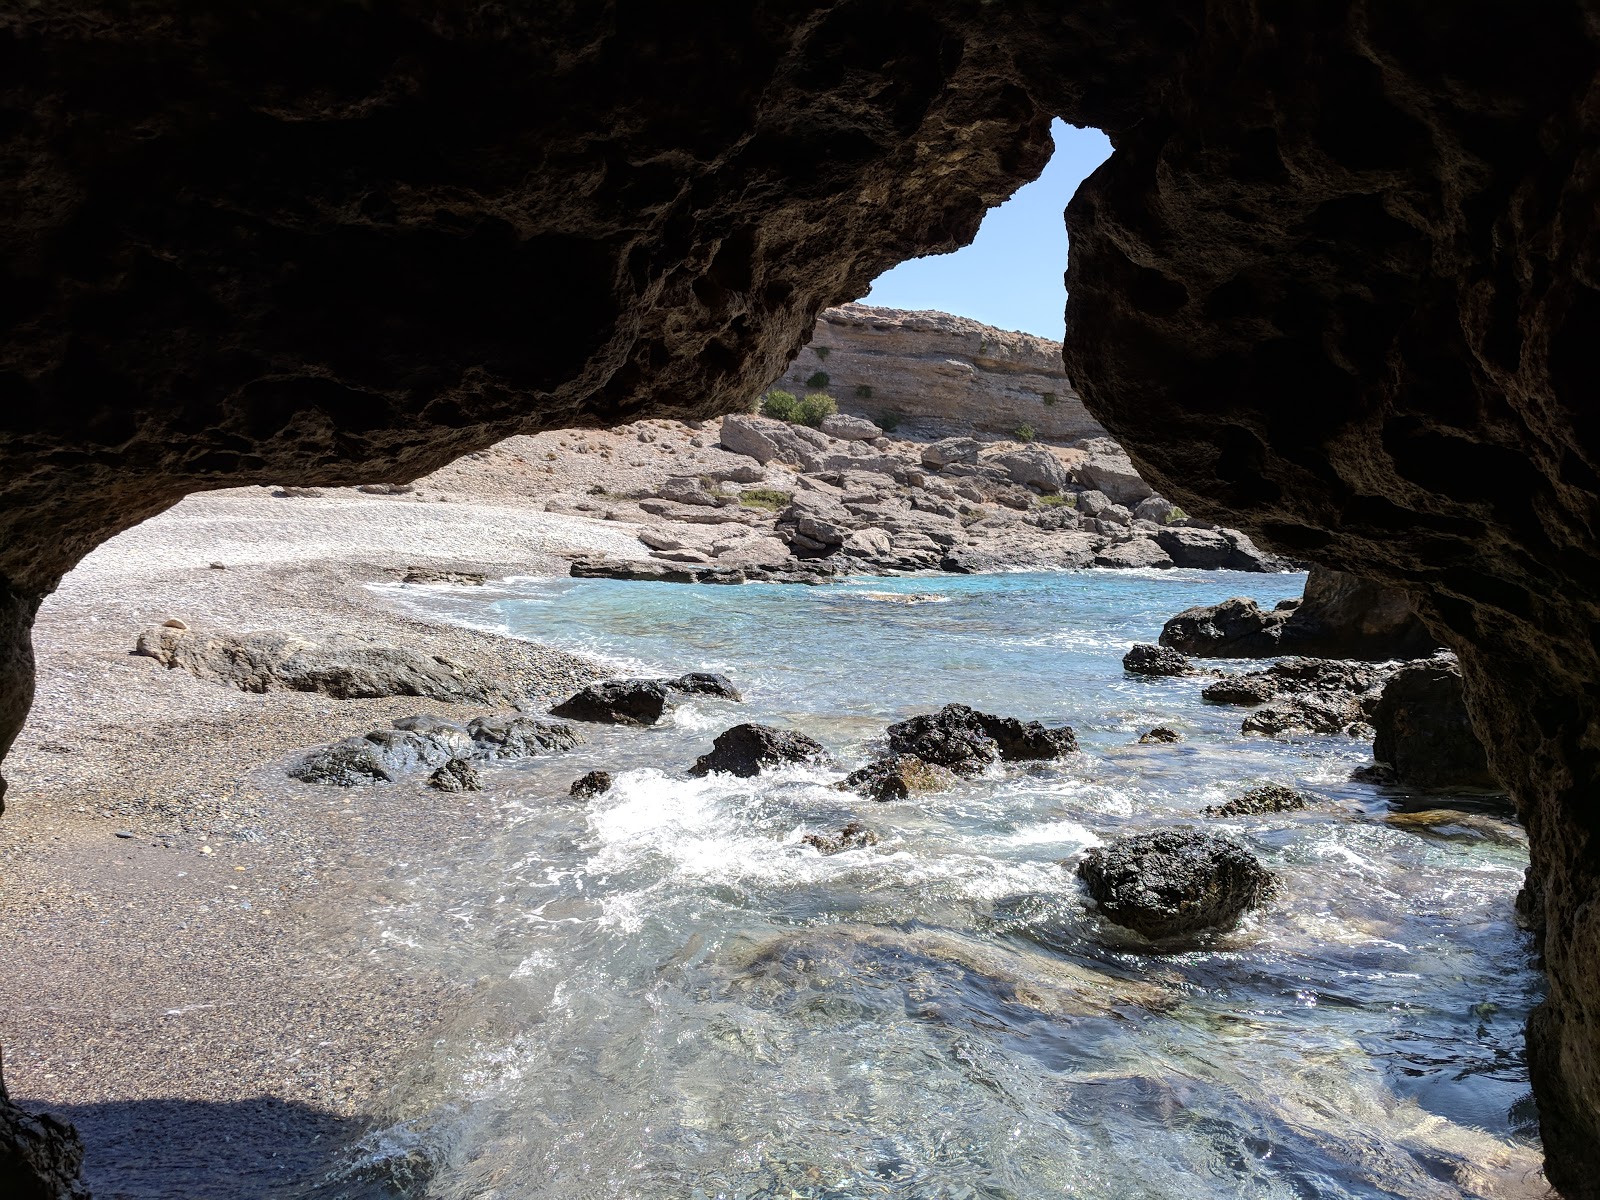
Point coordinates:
[(1338, 284)]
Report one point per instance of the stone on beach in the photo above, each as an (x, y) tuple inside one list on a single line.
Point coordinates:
[(1268, 798), (595, 783), (616, 702)]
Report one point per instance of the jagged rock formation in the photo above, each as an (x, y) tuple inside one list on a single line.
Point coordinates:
[(1340, 616), (1337, 286), (939, 375)]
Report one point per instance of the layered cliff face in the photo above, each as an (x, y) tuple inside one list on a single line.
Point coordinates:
[(1339, 285), (940, 375)]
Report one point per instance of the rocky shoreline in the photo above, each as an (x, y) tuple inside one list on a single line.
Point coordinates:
[(754, 499)]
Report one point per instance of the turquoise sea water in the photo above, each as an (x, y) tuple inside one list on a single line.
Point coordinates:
[(674, 997)]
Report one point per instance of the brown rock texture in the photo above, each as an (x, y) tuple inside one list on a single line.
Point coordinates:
[(1339, 285), (941, 374)]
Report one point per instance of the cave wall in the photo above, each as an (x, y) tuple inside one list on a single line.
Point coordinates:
[(1337, 285)]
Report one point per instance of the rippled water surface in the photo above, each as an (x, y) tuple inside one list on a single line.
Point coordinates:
[(676, 998)]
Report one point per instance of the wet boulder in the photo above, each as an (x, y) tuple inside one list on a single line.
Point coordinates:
[(1145, 659), (457, 775), (349, 763), (1423, 732), (1246, 690), (896, 777), (946, 739), (595, 783), (965, 741), (1023, 741), (853, 836), (1174, 882), (704, 683), (745, 749), (616, 702), (1268, 798), (521, 737), (1160, 736)]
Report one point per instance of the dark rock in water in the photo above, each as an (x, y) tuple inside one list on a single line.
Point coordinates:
[(1174, 882), (1268, 798), (593, 784), (1341, 616), (1160, 736), (1145, 659), (896, 777), (946, 739), (653, 571), (616, 702), (965, 741), (1315, 695), (704, 683), (1240, 689), (1424, 733), (1024, 741), (521, 737), (852, 837), (457, 775), (745, 749), (40, 1156)]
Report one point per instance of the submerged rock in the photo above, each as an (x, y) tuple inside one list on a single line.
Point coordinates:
[(521, 737), (1268, 798), (965, 741), (595, 783), (896, 777), (705, 683), (1160, 736), (853, 836), (384, 755), (1145, 659), (616, 702), (745, 749), (1423, 732), (457, 775), (1174, 882)]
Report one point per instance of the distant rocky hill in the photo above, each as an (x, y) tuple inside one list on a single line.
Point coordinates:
[(934, 375)]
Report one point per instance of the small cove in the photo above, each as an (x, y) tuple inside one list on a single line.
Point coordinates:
[(675, 997)]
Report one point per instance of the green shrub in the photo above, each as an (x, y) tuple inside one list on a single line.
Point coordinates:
[(1056, 500), (1024, 433), (822, 352), (766, 499), (1049, 398), (818, 381), (863, 392), (779, 405), (813, 409), (888, 422)]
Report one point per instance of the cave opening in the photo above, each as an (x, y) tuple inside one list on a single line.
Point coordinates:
[(1333, 287)]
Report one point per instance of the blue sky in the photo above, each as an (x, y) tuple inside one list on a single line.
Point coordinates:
[(1011, 275)]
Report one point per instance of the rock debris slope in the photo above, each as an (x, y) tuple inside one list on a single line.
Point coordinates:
[(1338, 285)]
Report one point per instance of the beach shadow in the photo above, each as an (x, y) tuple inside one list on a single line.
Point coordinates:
[(256, 1149)]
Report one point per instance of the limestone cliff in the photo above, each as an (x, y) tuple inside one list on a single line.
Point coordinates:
[(934, 374)]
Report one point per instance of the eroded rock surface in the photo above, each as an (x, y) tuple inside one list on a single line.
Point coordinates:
[(1336, 286), (1340, 616), (745, 749), (385, 755), (347, 668), (1174, 882), (1424, 734), (897, 777)]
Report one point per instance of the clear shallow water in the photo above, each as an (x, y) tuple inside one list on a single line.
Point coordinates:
[(676, 998)]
